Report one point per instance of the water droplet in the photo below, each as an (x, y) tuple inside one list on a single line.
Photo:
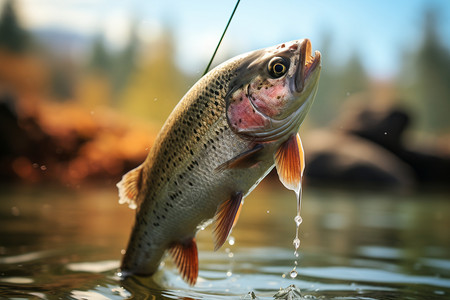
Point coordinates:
[(15, 211), (229, 273), (385, 133), (293, 273), (268, 211), (231, 240), (296, 243), (230, 255), (298, 220), (123, 251), (43, 167), (283, 276)]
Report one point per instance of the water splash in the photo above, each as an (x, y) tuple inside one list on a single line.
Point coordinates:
[(296, 242), (230, 254), (298, 220)]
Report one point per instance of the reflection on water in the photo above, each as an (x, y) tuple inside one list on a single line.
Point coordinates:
[(57, 243)]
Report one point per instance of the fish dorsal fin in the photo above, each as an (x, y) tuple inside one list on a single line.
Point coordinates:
[(246, 159), (290, 163), (226, 217), (185, 257), (129, 187)]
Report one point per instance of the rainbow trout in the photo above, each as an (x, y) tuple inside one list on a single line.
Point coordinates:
[(224, 136)]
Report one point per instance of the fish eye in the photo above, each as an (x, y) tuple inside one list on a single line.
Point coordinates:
[(278, 66)]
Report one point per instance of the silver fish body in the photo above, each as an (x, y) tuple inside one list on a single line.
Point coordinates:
[(211, 152)]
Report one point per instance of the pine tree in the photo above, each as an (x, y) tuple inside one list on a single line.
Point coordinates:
[(125, 63), (100, 60), (12, 36), (426, 76), (433, 76)]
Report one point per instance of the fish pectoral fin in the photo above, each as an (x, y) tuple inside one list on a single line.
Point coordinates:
[(129, 187), (185, 256), (246, 159), (226, 217), (290, 163)]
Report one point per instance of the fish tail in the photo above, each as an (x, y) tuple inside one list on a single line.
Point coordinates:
[(140, 258)]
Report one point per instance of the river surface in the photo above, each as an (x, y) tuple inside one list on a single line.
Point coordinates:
[(58, 243)]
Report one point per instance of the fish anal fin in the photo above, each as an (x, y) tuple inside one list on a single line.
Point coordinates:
[(246, 159), (130, 186), (226, 217), (290, 163), (185, 256)]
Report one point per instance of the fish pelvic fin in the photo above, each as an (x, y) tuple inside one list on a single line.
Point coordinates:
[(226, 217), (185, 256), (290, 163), (130, 186), (244, 160)]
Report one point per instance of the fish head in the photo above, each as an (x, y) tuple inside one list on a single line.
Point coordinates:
[(273, 90)]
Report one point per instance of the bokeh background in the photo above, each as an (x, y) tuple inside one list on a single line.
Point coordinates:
[(86, 85)]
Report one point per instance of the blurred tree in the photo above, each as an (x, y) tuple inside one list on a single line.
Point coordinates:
[(353, 77), (100, 60), (429, 84), (12, 36), (336, 84), (108, 73), (63, 74), (326, 103), (157, 85), (125, 63), (94, 88)]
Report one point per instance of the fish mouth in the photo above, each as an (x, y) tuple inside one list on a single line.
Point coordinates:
[(308, 64)]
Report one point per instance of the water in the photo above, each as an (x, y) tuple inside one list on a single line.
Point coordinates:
[(296, 242), (66, 244)]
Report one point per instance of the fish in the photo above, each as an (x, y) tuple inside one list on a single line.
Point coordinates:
[(232, 127)]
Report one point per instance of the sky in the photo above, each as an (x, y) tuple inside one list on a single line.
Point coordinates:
[(379, 31)]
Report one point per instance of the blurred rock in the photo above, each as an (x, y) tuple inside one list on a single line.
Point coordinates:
[(339, 158), (22, 142), (68, 144), (386, 129), (369, 148)]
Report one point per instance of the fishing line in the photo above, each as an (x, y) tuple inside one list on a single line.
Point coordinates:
[(221, 38)]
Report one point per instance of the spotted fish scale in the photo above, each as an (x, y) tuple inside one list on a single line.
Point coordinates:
[(202, 165)]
